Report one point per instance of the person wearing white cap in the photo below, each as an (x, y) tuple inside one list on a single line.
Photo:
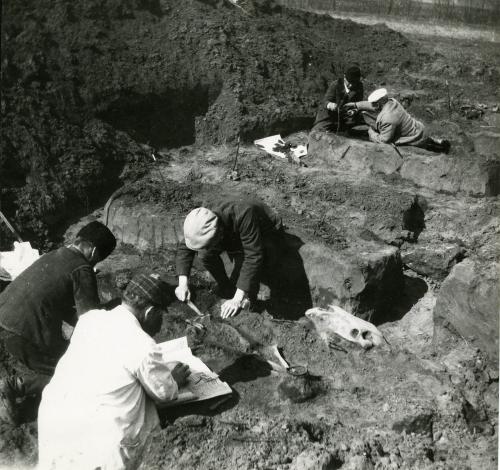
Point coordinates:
[(248, 230), (390, 123)]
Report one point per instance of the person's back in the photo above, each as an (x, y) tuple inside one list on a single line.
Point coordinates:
[(234, 212), (95, 412), (59, 286), (34, 305), (406, 129)]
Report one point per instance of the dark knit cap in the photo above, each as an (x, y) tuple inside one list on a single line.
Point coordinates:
[(353, 74), (100, 236), (146, 286)]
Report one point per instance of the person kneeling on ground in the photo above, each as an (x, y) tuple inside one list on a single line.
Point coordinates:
[(390, 123), (98, 410), (248, 231), (331, 115), (60, 286)]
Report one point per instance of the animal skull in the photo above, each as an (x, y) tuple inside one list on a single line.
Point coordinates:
[(338, 321)]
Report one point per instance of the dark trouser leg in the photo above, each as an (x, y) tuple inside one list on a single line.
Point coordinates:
[(212, 262), (273, 252), (436, 145), (40, 365)]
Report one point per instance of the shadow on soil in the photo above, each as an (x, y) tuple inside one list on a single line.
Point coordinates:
[(290, 294), (243, 369), (414, 289), (165, 120)]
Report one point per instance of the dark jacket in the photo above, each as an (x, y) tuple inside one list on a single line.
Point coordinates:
[(336, 93), (35, 304), (244, 224)]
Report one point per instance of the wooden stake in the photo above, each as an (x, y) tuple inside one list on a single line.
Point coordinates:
[(11, 228)]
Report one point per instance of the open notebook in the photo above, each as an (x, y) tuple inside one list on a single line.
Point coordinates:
[(202, 384)]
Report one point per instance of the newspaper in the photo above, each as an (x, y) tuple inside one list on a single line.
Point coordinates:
[(202, 384)]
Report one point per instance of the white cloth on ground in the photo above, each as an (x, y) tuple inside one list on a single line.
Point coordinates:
[(98, 409)]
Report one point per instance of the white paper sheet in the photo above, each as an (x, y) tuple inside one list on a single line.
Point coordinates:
[(202, 384), (269, 143)]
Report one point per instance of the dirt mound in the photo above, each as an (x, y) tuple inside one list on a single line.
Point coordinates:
[(165, 72)]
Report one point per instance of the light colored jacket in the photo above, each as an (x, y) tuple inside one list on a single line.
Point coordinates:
[(395, 125), (98, 409)]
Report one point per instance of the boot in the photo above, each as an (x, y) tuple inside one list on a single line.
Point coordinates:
[(439, 145), (446, 145)]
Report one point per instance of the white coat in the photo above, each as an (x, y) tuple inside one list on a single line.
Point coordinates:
[(97, 410)]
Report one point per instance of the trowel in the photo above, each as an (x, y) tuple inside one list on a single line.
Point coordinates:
[(194, 308)]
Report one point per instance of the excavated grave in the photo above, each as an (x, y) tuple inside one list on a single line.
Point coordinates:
[(341, 243)]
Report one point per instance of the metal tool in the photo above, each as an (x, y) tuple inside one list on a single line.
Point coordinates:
[(397, 150), (194, 308), (198, 326)]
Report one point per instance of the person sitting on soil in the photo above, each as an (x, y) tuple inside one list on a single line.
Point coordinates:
[(390, 123), (34, 306), (331, 116), (98, 410), (248, 231)]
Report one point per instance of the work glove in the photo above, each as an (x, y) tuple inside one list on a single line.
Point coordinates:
[(331, 106)]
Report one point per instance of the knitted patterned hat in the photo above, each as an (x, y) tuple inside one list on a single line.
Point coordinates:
[(147, 286)]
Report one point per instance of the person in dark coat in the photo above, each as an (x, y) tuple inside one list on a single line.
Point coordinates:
[(59, 287), (251, 234), (331, 116)]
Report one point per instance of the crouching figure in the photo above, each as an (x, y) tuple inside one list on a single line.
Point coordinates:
[(98, 410), (252, 236)]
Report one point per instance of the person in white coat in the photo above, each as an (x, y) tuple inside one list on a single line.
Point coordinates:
[(98, 410)]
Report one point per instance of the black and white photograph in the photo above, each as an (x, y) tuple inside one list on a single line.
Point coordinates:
[(249, 234)]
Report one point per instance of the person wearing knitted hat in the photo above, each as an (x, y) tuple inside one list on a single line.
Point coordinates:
[(331, 115), (248, 231), (59, 287), (390, 123), (98, 410)]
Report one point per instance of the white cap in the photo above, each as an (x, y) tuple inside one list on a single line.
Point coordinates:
[(200, 227), (377, 95)]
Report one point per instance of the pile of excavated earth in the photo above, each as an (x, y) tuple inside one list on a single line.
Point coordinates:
[(405, 239)]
